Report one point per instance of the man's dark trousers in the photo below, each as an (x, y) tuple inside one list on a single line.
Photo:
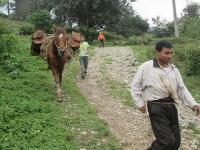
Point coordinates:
[(84, 64), (165, 125), (102, 42)]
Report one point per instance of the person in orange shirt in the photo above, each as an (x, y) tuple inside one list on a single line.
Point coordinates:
[(101, 39)]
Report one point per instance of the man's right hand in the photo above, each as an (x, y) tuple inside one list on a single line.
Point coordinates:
[(196, 109), (143, 109)]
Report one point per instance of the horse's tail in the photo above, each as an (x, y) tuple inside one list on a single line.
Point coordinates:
[(38, 38)]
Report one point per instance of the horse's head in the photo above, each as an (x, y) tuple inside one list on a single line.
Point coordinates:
[(60, 39)]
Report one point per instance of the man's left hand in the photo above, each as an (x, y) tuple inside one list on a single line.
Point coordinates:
[(196, 109)]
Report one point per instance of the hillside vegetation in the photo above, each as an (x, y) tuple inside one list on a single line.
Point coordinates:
[(31, 118)]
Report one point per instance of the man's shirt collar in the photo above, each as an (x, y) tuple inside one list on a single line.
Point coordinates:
[(156, 64)]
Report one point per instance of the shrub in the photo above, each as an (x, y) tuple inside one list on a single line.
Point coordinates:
[(186, 56), (4, 29), (8, 60), (41, 20), (192, 28), (132, 41), (181, 40), (161, 32), (7, 43), (145, 39), (26, 30), (193, 62), (110, 36), (3, 15), (92, 34)]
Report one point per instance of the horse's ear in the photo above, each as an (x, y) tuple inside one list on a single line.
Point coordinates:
[(54, 28)]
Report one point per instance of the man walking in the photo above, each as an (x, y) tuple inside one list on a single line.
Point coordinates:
[(159, 84), (101, 39), (83, 56)]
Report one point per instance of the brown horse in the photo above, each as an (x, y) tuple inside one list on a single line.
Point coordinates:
[(57, 56), (56, 50)]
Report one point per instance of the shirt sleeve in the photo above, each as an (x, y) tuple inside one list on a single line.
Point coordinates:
[(183, 92), (136, 88), (88, 45)]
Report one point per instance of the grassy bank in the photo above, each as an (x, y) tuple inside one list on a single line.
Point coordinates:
[(11, 26), (31, 118)]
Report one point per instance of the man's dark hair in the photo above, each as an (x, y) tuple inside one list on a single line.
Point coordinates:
[(161, 44)]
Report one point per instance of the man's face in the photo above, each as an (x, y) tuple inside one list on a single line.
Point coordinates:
[(165, 55)]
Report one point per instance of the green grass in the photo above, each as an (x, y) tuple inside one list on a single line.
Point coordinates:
[(31, 118), (108, 60), (116, 89), (119, 91), (142, 53), (14, 26)]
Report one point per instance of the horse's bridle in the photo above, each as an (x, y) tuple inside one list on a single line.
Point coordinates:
[(59, 49)]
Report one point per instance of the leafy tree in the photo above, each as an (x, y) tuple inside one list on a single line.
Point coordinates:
[(89, 13), (111, 15), (162, 28), (190, 22), (3, 2), (192, 10), (131, 24), (8, 4), (22, 8), (41, 20), (192, 27)]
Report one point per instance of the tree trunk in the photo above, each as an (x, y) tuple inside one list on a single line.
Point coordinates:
[(175, 19), (8, 8)]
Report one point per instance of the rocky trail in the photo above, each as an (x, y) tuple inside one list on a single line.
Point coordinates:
[(126, 123)]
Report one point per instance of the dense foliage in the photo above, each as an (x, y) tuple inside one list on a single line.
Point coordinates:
[(41, 20), (9, 60), (116, 16), (31, 118), (190, 22)]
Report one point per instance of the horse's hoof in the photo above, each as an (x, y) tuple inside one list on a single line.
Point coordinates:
[(64, 99), (60, 99), (62, 95), (82, 77)]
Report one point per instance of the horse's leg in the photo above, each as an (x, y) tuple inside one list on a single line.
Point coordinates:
[(55, 72), (60, 77), (61, 68), (60, 74)]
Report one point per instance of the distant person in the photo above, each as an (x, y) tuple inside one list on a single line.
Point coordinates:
[(159, 84), (83, 56), (101, 39)]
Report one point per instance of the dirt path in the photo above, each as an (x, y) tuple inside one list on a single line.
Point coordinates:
[(131, 127)]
